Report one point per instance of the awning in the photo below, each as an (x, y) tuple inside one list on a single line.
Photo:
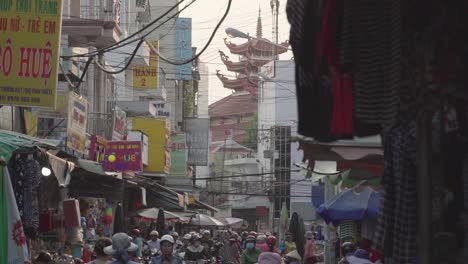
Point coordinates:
[(200, 205), (159, 196)]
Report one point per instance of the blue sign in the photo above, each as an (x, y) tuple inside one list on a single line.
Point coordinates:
[(183, 48)]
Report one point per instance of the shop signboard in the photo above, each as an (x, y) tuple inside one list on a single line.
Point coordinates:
[(197, 130), (123, 156), (146, 77), (119, 124), (140, 136), (183, 48), (97, 148), (77, 122), (61, 106), (29, 52)]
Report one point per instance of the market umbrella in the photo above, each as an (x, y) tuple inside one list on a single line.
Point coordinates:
[(153, 213), (297, 229), (351, 205), (118, 220), (205, 220), (160, 221)]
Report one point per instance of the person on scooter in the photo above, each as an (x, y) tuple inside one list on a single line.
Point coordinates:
[(195, 251), (167, 249)]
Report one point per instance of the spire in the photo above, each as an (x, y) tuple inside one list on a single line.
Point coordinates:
[(259, 24)]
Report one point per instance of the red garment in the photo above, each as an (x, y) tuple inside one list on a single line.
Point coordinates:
[(263, 247), (342, 115), (375, 255), (71, 213), (327, 42), (45, 221)]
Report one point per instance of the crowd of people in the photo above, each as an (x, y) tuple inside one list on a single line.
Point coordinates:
[(226, 247)]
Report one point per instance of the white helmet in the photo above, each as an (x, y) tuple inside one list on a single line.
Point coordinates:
[(168, 238), (187, 236)]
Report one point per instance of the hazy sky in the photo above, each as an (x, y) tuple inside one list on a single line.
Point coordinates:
[(243, 16)]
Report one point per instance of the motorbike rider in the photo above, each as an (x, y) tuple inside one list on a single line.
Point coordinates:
[(347, 249), (207, 242), (167, 249), (230, 252), (178, 244), (195, 251)]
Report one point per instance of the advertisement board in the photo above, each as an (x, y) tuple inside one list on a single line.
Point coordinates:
[(119, 124), (140, 136), (183, 48), (197, 130), (123, 156), (77, 122), (29, 52), (155, 129), (147, 77)]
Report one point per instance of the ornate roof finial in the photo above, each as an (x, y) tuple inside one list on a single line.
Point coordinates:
[(259, 24)]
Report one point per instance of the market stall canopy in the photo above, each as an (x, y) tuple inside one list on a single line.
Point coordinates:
[(205, 220), (152, 213), (10, 141), (351, 205)]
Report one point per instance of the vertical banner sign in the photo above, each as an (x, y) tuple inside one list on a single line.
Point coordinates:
[(29, 52), (77, 122), (197, 130), (97, 148), (178, 155), (183, 48), (119, 125), (147, 77), (123, 156)]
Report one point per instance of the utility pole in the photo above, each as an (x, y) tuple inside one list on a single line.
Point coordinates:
[(275, 4)]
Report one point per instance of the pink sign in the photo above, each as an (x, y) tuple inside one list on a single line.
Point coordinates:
[(123, 156)]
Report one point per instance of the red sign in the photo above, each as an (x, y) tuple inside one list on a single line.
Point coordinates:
[(97, 148), (261, 211), (123, 156)]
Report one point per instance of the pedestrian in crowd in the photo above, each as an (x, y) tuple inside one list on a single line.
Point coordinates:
[(347, 249), (289, 244), (261, 243), (101, 256), (186, 240), (230, 251), (154, 244), (167, 249), (293, 257), (270, 258), (120, 249), (243, 239), (251, 253), (138, 240), (271, 242), (309, 248)]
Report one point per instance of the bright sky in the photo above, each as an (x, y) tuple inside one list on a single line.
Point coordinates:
[(243, 16)]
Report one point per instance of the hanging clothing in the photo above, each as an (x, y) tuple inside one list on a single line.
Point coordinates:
[(342, 116), (26, 179), (395, 233), (369, 49), (314, 95)]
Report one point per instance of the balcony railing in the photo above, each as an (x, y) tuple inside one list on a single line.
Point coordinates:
[(99, 10)]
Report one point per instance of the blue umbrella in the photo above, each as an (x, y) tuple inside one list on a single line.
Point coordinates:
[(350, 205)]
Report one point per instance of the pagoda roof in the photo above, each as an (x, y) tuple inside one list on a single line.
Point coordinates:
[(256, 46), (247, 83), (239, 67)]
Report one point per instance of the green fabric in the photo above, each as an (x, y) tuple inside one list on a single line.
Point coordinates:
[(3, 219), (250, 258)]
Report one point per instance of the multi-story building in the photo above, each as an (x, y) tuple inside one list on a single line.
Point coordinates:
[(277, 124)]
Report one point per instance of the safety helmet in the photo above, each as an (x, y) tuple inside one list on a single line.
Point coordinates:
[(348, 248), (168, 238), (135, 232), (271, 240)]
